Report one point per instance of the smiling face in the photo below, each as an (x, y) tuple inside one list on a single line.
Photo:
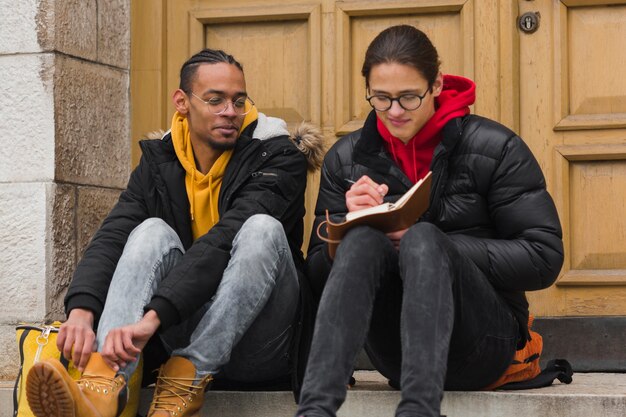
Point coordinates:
[(393, 80), (219, 131)]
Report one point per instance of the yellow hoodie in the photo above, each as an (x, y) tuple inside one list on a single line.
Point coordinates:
[(202, 190)]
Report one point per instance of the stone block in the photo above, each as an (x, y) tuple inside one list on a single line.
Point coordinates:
[(18, 30), (93, 206), (9, 355), (590, 344), (92, 130), (23, 250), (27, 122), (114, 32), (68, 26), (63, 249), (76, 28)]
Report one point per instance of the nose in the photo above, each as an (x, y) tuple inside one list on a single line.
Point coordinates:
[(229, 111), (395, 109)]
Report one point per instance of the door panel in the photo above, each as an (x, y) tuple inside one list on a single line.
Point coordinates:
[(279, 47), (573, 114), (594, 72), (449, 26)]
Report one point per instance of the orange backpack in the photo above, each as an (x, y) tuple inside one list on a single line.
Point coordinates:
[(524, 371)]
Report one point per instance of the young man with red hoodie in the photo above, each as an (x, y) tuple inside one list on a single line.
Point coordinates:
[(440, 304)]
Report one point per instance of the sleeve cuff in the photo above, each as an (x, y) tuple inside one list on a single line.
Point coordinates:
[(86, 301), (168, 314)]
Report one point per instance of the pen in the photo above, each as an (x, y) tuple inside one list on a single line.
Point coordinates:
[(349, 180)]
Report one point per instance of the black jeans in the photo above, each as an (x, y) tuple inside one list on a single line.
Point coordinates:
[(427, 316)]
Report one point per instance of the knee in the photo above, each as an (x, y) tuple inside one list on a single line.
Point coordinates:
[(261, 228), (427, 259), (262, 225), (153, 231), (150, 226), (424, 240), (365, 243), (364, 236)]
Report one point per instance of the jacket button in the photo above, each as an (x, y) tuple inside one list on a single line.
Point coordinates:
[(264, 154)]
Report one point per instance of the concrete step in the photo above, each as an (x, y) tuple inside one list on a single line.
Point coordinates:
[(590, 395)]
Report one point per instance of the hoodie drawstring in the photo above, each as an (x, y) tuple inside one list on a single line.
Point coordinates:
[(193, 195), (202, 192), (414, 179), (212, 207)]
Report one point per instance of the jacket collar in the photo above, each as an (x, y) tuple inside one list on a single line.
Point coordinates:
[(451, 136), (369, 151), (168, 173), (169, 177)]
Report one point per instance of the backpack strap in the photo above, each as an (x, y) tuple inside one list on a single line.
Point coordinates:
[(19, 374), (555, 369)]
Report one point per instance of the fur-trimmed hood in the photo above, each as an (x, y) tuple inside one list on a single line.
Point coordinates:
[(307, 137)]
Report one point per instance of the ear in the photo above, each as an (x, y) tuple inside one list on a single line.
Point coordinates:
[(438, 85), (181, 101)]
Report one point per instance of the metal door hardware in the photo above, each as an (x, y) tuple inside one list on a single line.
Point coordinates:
[(528, 22)]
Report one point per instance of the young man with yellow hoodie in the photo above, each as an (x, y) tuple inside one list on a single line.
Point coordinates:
[(201, 255)]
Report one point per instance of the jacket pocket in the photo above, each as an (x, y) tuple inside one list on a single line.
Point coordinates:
[(279, 190)]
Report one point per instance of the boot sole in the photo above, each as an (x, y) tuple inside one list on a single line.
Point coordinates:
[(47, 393), (196, 414)]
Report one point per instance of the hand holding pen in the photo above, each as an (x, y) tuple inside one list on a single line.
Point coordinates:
[(365, 193)]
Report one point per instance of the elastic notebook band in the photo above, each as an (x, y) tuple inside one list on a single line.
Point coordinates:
[(325, 239)]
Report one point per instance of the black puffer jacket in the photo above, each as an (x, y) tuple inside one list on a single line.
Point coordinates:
[(488, 194), (263, 176)]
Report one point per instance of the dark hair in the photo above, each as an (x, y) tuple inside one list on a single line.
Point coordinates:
[(403, 44), (205, 56)]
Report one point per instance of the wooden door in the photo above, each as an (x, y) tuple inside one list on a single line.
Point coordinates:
[(562, 87), (573, 116), (302, 58)]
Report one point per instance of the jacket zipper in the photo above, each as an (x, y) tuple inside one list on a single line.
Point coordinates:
[(264, 174)]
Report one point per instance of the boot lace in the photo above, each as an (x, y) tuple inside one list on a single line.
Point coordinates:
[(175, 394), (99, 384)]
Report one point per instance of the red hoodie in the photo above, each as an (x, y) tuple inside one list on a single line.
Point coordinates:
[(415, 156)]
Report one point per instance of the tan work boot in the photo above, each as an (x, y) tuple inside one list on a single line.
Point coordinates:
[(51, 392), (177, 393)]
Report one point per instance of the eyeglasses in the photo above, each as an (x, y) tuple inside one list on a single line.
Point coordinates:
[(408, 102), (218, 105)]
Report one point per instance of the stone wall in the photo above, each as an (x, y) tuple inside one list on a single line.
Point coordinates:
[(64, 147)]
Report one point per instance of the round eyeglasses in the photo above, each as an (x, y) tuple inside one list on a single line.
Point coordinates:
[(218, 105), (408, 102)]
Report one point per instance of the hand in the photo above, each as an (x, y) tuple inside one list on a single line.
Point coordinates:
[(396, 236), (123, 344), (365, 193), (76, 337)]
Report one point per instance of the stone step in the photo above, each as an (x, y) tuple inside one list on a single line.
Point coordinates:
[(591, 394)]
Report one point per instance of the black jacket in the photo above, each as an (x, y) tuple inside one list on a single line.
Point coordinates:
[(488, 194), (266, 176)]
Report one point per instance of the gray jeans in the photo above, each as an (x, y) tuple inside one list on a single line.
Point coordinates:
[(243, 333), (426, 315)]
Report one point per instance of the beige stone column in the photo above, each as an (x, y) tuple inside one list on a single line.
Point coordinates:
[(64, 147)]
